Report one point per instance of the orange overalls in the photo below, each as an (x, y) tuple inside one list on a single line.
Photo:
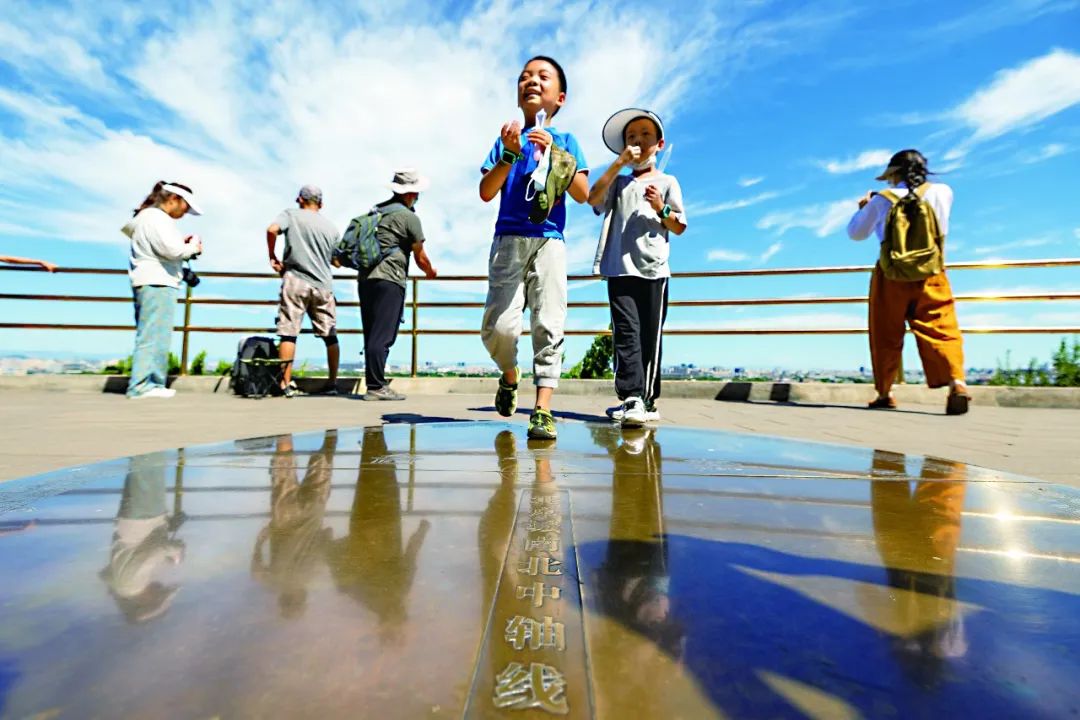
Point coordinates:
[(928, 307)]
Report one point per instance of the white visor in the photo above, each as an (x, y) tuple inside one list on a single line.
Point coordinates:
[(188, 197)]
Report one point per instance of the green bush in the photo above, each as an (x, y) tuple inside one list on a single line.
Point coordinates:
[(224, 367), (120, 367), (596, 365), (1066, 363), (198, 365), (1062, 371)]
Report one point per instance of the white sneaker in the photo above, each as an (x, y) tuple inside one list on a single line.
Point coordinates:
[(616, 414), (634, 443), (158, 392), (633, 414)]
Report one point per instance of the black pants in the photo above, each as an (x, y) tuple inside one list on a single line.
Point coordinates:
[(638, 312), (381, 306)]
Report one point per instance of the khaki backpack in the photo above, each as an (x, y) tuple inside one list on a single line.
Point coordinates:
[(912, 248)]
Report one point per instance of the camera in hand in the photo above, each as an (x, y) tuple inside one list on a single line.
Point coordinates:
[(188, 275)]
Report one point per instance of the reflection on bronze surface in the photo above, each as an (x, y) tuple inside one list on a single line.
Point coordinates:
[(917, 531), (636, 644), (372, 565), (143, 543), (634, 582), (497, 520), (295, 534)]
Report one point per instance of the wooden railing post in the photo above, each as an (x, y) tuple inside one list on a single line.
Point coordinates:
[(415, 314), (186, 334)]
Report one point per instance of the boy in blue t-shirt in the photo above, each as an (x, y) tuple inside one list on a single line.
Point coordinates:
[(527, 263)]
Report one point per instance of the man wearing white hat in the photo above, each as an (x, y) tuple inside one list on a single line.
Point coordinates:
[(382, 289)]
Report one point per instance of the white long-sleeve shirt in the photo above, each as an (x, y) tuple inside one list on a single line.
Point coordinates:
[(158, 249), (872, 216)]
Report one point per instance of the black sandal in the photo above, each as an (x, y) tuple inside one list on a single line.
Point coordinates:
[(883, 403), (957, 404)]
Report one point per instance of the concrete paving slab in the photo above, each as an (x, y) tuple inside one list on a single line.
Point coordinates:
[(47, 430)]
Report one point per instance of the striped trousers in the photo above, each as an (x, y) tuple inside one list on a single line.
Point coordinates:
[(638, 311)]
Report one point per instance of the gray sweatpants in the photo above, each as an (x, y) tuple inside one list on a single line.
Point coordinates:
[(526, 272)]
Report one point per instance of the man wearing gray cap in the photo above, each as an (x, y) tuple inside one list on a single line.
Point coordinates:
[(306, 281)]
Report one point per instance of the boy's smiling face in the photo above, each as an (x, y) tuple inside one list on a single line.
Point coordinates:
[(642, 133), (539, 87)]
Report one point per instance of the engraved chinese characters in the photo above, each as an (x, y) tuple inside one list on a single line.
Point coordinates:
[(533, 660), (541, 686), (538, 686)]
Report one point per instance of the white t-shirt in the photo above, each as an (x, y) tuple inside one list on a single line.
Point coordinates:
[(871, 218), (637, 241), (158, 249)]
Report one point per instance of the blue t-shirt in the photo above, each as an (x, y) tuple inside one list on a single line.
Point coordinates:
[(513, 208)]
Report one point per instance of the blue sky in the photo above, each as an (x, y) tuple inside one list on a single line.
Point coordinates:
[(780, 115)]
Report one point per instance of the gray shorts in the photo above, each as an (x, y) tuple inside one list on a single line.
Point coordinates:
[(298, 298)]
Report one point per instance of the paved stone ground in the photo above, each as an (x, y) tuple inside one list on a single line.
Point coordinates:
[(48, 430)]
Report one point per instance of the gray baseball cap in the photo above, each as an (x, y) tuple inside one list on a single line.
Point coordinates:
[(311, 193)]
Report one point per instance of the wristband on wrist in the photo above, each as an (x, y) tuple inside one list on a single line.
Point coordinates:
[(509, 157), (665, 212)]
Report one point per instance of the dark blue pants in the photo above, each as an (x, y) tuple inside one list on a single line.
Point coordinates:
[(381, 305)]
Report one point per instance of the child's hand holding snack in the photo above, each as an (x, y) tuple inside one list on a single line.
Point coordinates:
[(540, 139), (630, 155), (654, 198), (511, 136)]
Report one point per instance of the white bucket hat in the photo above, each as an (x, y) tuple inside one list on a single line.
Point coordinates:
[(188, 196), (407, 180), (615, 127)]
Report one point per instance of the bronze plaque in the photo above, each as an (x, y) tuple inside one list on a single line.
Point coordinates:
[(531, 662)]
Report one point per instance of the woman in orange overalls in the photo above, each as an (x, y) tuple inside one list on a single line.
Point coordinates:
[(927, 306)]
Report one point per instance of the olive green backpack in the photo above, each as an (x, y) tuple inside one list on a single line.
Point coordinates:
[(913, 246)]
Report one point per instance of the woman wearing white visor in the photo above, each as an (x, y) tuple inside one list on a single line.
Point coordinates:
[(158, 252)]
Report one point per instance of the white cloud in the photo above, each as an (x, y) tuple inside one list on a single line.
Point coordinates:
[(225, 100), (822, 219), (789, 321), (1022, 96), (863, 161), (1016, 244), (770, 252), (750, 181), (57, 53), (721, 255), (732, 204), (988, 17), (1051, 150)]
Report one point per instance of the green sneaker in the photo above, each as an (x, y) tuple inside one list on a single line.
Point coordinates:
[(542, 425), (506, 396)]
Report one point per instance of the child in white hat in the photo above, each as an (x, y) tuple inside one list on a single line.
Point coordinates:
[(643, 206)]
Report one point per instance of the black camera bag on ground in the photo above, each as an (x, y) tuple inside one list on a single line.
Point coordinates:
[(257, 370)]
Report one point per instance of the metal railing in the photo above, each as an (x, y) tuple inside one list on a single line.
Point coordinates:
[(188, 300)]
